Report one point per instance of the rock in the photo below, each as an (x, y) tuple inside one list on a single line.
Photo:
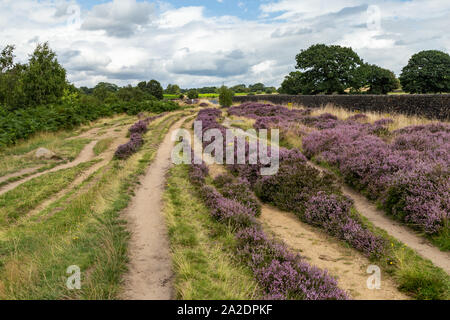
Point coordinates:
[(44, 153)]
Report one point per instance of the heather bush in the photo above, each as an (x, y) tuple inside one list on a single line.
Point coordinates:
[(293, 185), (282, 274), (198, 173), (132, 146), (409, 176), (240, 191), (139, 127), (332, 213)]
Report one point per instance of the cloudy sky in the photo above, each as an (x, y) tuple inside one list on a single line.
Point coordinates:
[(209, 42)]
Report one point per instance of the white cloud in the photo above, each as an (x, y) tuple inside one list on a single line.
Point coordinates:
[(180, 17), (128, 41)]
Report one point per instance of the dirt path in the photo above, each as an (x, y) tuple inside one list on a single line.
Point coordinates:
[(399, 231), (85, 155), (394, 228), (106, 157), (323, 251), (19, 173), (150, 268)]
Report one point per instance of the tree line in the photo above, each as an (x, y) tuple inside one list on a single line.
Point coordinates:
[(334, 69), (36, 96)]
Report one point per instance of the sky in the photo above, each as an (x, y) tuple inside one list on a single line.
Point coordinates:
[(197, 43)]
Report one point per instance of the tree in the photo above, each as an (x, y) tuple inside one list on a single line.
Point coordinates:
[(427, 71), (104, 89), (292, 83), (192, 94), (44, 79), (172, 89), (327, 69), (240, 88), (225, 96), (7, 58), (257, 87), (11, 76), (155, 89), (380, 80)]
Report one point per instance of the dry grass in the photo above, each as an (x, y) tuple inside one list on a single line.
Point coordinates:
[(400, 120)]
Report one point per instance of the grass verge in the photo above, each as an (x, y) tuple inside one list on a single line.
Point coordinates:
[(202, 248)]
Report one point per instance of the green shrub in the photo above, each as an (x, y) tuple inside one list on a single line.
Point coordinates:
[(225, 96), (192, 94), (22, 123)]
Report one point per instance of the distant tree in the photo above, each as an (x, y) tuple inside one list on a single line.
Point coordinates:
[(142, 85), (327, 69), (380, 80), (240, 88), (257, 87), (207, 90), (103, 89), (192, 94), (11, 80), (270, 90), (86, 90), (155, 89), (225, 96), (426, 72), (44, 79), (7, 59), (172, 89), (292, 83)]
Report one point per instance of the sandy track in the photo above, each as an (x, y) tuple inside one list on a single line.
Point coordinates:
[(150, 268), (401, 232), (18, 173), (323, 251), (394, 228)]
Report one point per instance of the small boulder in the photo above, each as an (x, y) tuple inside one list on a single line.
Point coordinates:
[(44, 153)]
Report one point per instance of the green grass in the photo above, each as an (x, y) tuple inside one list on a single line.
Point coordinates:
[(22, 156), (86, 231), (202, 249), (20, 200), (414, 275), (102, 145), (171, 96)]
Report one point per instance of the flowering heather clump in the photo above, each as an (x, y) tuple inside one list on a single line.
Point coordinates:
[(127, 149), (240, 191), (293, 185), (333, 214), (282, 274), (410, 175), (204, 104), (198, 173), (268, 115), (358, 117), (227, 210), (136, 140), (138, 127), (421, 198)]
